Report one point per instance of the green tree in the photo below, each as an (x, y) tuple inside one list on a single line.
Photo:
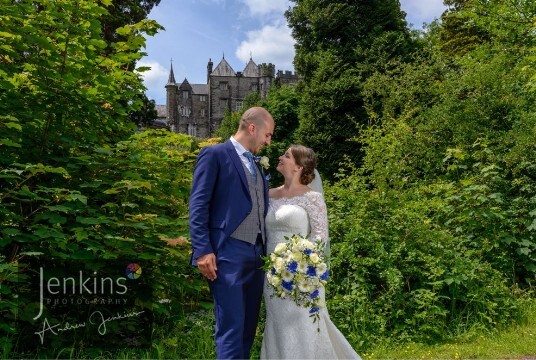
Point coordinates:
[(434, 233), (338, 44), (459, 34), (121, 13), (143, 111), (469, 23), (67, 191)]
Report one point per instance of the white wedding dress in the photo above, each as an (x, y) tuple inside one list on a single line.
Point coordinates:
[(289, 332)]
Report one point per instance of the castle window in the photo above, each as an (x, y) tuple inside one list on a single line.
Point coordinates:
[(184, 111), (185, 94), (224, 85), (254, 86), (238, 105), (203, 98), (202, 112), (192, 130)]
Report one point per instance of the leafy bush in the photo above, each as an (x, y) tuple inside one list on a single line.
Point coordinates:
[(120, 205), (78, 191), (397, 272)]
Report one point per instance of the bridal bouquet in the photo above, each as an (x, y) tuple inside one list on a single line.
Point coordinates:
[(297, 270)]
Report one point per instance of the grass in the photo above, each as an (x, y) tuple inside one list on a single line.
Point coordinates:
[(515, 342), (191, 337)]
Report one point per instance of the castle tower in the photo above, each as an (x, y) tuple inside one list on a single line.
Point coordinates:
[(267, 74), (171, 101), (209, 69)]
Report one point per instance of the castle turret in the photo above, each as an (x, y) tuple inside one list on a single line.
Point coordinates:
[(267, 74), (171, 100), (209, 69)]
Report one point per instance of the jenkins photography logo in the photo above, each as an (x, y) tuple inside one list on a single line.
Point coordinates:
[(98, 306)]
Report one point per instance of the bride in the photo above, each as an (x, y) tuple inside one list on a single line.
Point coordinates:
[(296, 209)]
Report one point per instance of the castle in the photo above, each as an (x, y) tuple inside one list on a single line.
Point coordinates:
[(198, 109)]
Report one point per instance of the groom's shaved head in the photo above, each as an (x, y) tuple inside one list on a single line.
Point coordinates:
[(255, 130), (256, 116)]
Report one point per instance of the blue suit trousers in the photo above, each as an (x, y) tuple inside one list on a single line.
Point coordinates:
[(237, 294)]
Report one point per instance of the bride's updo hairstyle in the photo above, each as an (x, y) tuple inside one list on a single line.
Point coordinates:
[(306, 158)]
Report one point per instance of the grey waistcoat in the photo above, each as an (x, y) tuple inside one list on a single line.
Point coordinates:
[(253, 223)]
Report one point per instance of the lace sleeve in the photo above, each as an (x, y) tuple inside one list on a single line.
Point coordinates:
[(318, 215)]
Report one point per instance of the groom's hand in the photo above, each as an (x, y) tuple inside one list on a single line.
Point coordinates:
[(207, 266)]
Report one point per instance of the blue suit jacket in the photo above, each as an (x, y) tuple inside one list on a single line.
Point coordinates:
[(220, 198)]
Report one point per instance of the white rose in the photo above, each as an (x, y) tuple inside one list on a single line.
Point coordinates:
[(265, 162), (297, 256), (279, 248), (321, 268), (275, 280), (314, 258), (308, 245), (279, 264)]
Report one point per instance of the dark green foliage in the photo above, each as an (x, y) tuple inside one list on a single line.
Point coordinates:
[(434, 235), (338, 45), (143, 111), (398, 273), (283, 104), (121, 13), (118, 204), (470, 23), (78, 189)]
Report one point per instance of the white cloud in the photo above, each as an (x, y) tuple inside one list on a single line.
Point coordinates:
[(272, 43), (263, 7), (420, 11), (154, 79)]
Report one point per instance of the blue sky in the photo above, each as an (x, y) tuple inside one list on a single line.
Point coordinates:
[(199, 30)]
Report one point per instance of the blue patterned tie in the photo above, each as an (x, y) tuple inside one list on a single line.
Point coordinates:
[(251, 166)]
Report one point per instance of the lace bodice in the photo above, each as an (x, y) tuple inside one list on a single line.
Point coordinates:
[(304, 214)]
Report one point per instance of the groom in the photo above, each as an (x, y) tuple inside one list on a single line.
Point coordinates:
[(228, 203)]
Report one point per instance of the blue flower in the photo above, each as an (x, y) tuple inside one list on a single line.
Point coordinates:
[(273, 271), (325, 275), (311, 270), (314, 294), (307, 251), (288, 285), (292, 267), (313, 310)]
